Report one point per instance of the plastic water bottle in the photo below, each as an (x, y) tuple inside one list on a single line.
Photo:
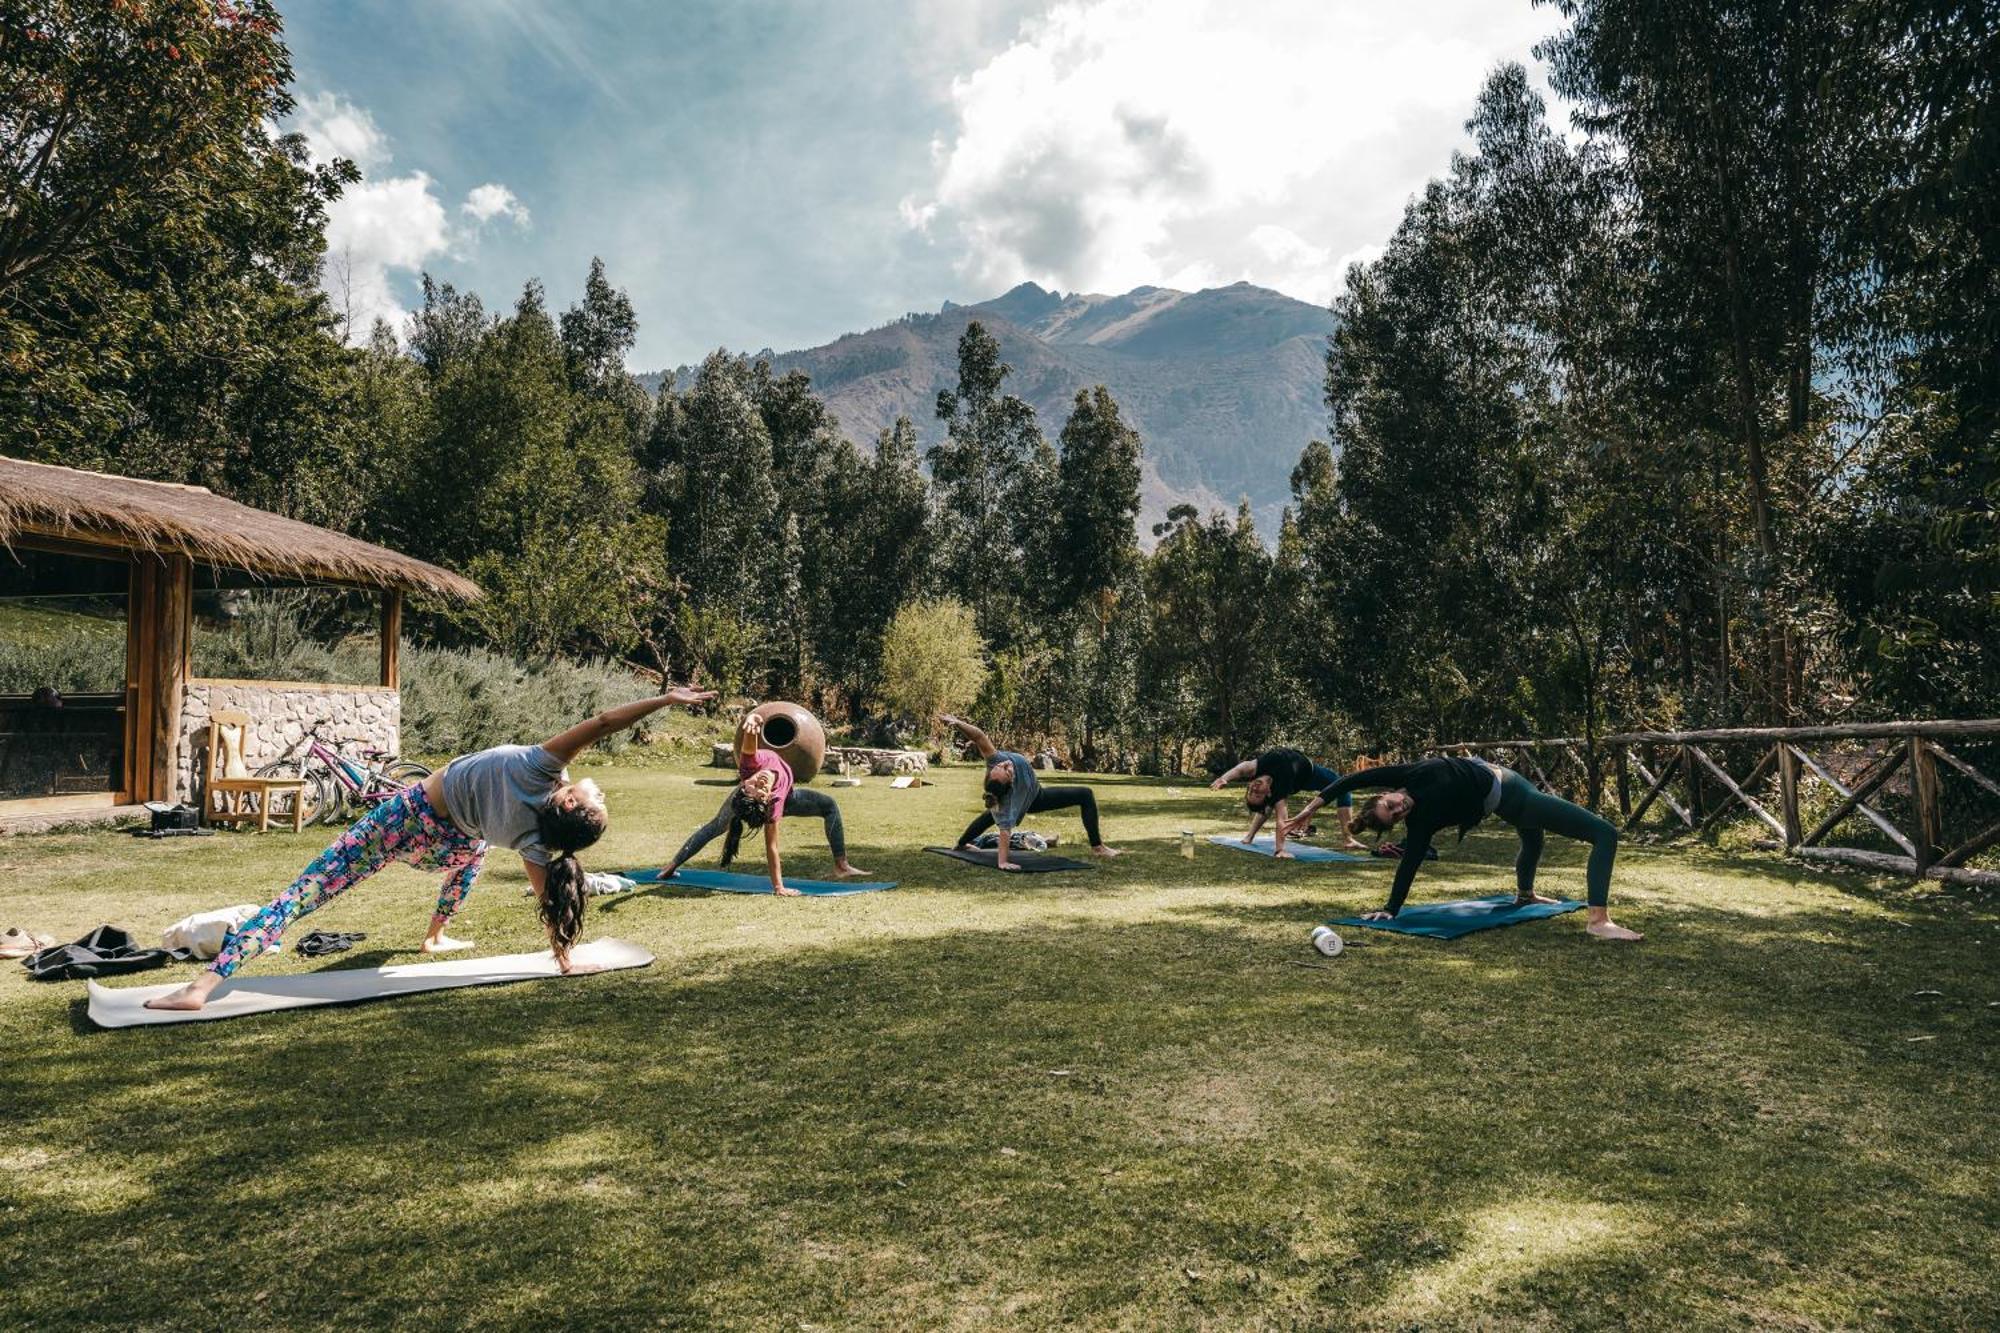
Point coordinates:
[(1187, 843), (1327, 942)]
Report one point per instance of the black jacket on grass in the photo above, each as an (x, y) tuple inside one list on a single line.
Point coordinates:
[(1444, 792)]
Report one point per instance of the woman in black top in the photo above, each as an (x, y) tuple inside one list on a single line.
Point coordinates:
[(1274, 776), (1434, 794)]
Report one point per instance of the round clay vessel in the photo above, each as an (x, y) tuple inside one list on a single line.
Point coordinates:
[(795, 734)]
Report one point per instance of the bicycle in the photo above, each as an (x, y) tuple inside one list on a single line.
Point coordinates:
[(338, 787)]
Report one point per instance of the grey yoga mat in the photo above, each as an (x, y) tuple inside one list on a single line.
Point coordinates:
[(1032, 863), (125, 1006)]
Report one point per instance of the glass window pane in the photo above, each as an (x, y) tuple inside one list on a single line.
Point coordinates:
[(246, 629), (62, 673)]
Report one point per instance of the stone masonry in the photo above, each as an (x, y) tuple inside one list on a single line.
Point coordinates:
[(348, 718)]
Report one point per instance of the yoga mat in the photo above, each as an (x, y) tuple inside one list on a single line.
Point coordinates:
[(1299, 850), (1447, 921), (724, 881), (1031, 863), (125, 1006)]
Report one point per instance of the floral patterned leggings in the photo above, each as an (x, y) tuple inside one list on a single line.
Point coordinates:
[(406, 827)]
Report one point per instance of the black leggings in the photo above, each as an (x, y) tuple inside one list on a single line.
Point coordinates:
[(1049, 798), (802, 801)]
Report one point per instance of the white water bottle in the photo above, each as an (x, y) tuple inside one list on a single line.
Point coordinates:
[(1327, 942)]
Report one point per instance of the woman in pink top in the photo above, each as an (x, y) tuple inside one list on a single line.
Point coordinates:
[(759, 800), (766, 795)]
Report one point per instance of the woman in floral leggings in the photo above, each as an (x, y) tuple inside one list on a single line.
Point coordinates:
[(519, 796), (406, 827)]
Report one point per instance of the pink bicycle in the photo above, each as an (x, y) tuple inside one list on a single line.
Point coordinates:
[(338, 788)]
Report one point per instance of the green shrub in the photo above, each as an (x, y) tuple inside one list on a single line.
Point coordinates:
[(77, 662), (933, 659), (456, 700)]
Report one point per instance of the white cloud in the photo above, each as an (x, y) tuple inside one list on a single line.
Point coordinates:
[(384, 229), (486, 202), (1188, 142), (335, 127)]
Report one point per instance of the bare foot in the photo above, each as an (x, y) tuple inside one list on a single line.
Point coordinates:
[(191, 996), (1608, 929), (581, 969), (846, 871), (442, 944), (1530, 899), (1354, 845), (1283, 856), (1102, 850), (787, 891)]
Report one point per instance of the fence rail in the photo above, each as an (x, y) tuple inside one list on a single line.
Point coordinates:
[(1680, 772)]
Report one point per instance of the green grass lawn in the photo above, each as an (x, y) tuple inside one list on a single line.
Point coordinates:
[(1131, 1097)]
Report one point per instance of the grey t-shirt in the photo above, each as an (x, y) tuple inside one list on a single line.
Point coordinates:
[(494, 795), (1020, 794)]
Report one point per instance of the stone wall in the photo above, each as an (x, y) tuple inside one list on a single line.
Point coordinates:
[(349, 718)]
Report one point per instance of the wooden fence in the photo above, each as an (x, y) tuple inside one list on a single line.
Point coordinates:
[(1841, 771)]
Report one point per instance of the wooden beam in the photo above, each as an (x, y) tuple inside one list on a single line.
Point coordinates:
[(1852, 800), (1971, 847), (173, 608), (392, 637), (1788, 793), (1658, 789), (1924, 794), (1988, 783), (1899, 865), (1624, 783), (1738, 792)]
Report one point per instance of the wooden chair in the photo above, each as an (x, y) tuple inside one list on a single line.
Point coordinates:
[(232, 794)]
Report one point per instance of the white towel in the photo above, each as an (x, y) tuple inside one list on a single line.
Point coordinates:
[(202, 934)]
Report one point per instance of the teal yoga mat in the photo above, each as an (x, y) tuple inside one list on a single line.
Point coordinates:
[(1299, 850), (723, 881), (1447, 921)]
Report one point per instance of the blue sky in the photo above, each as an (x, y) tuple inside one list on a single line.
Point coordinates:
[(773, 174)]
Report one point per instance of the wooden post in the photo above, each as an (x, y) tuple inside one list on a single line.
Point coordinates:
[(1691, 774), (1924, 793), (167, 672), (392, 637), (1624, 784), (1788, 790)]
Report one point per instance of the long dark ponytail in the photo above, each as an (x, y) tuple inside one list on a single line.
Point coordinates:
[(565, 832), (743, 809)]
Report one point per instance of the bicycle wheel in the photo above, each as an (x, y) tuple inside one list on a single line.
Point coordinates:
[(403, 772), (312, 797)]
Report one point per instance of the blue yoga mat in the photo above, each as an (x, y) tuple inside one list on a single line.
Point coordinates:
[(1301, 851), (723, 881), (1447, 921)]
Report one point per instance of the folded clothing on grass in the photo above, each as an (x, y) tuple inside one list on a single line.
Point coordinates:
[(1447, 921), (1031, 863), (323, 942), (108, 951)]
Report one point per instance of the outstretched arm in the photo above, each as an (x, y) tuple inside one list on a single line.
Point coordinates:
[(1246, 769), (567, 745), (778, 885), (1415, 847), (1388, 777), (980, 740), (749, 737)]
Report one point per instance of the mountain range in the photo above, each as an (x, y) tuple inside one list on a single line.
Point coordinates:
[(1224, 385)]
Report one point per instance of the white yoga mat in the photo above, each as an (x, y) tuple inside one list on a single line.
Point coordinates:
[(125, 1006)]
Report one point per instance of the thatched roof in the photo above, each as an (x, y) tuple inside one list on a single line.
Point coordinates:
[(104, 510)]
